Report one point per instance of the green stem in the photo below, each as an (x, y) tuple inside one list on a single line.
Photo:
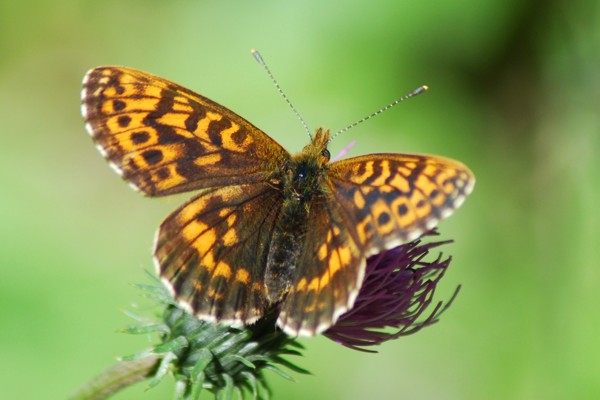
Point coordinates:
[(118, 376)]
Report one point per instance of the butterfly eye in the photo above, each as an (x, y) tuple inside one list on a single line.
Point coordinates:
[(325, 153)]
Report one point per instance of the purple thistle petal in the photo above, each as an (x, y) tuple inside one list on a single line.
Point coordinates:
[(398, 287)]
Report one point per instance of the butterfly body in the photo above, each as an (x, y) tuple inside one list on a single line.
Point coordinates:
[(266, 229), (301, 183)]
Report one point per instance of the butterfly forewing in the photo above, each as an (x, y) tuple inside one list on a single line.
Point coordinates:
[(212, 251), (392, 199), (166, 139)]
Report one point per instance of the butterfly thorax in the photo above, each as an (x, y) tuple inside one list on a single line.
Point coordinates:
[(300, 185)]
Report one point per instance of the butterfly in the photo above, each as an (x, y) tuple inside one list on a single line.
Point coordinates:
[(266, 230)]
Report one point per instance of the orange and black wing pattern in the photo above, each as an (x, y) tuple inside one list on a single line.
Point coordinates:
[(331, 269), (212, 251), (164, 139), (392, 199)]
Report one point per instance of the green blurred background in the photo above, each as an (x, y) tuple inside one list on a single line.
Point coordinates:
[(515, 93)]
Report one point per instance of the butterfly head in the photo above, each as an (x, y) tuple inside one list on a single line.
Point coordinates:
[(317, 148), (305, 171)]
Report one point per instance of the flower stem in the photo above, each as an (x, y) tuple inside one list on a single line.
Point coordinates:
[(117, 377)]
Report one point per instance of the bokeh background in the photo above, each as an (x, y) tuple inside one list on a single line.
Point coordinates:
[(515, 94)]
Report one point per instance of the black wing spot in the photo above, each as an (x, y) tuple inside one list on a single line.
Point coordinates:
[(153, 156), (383, 218), (163, 173), (402, 209), (191, 122), (119, 105), (140, 137), (124, 121)]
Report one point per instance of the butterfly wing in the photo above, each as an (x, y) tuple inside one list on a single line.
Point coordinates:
[(330, 269), (369, 204), (394, 198), (212, 251), (165, 139)]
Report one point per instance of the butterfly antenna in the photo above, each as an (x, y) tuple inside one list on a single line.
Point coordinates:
[(415, 92), (262, 62)]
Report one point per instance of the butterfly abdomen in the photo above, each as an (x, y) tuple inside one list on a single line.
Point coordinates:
[(286, 246)]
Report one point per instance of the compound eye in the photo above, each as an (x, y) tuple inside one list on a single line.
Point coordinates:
[(325, 153)]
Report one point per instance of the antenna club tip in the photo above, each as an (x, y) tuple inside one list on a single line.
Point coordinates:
[(257, 56), (420, 90)]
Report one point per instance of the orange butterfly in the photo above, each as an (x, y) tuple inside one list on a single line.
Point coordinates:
[(267, 230)]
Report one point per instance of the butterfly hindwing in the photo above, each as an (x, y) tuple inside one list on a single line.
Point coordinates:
[(165, 139), (212, 251), (392, 199), (330, 270)]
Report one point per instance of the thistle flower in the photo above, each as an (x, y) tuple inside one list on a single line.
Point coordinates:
[(398, 287)]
